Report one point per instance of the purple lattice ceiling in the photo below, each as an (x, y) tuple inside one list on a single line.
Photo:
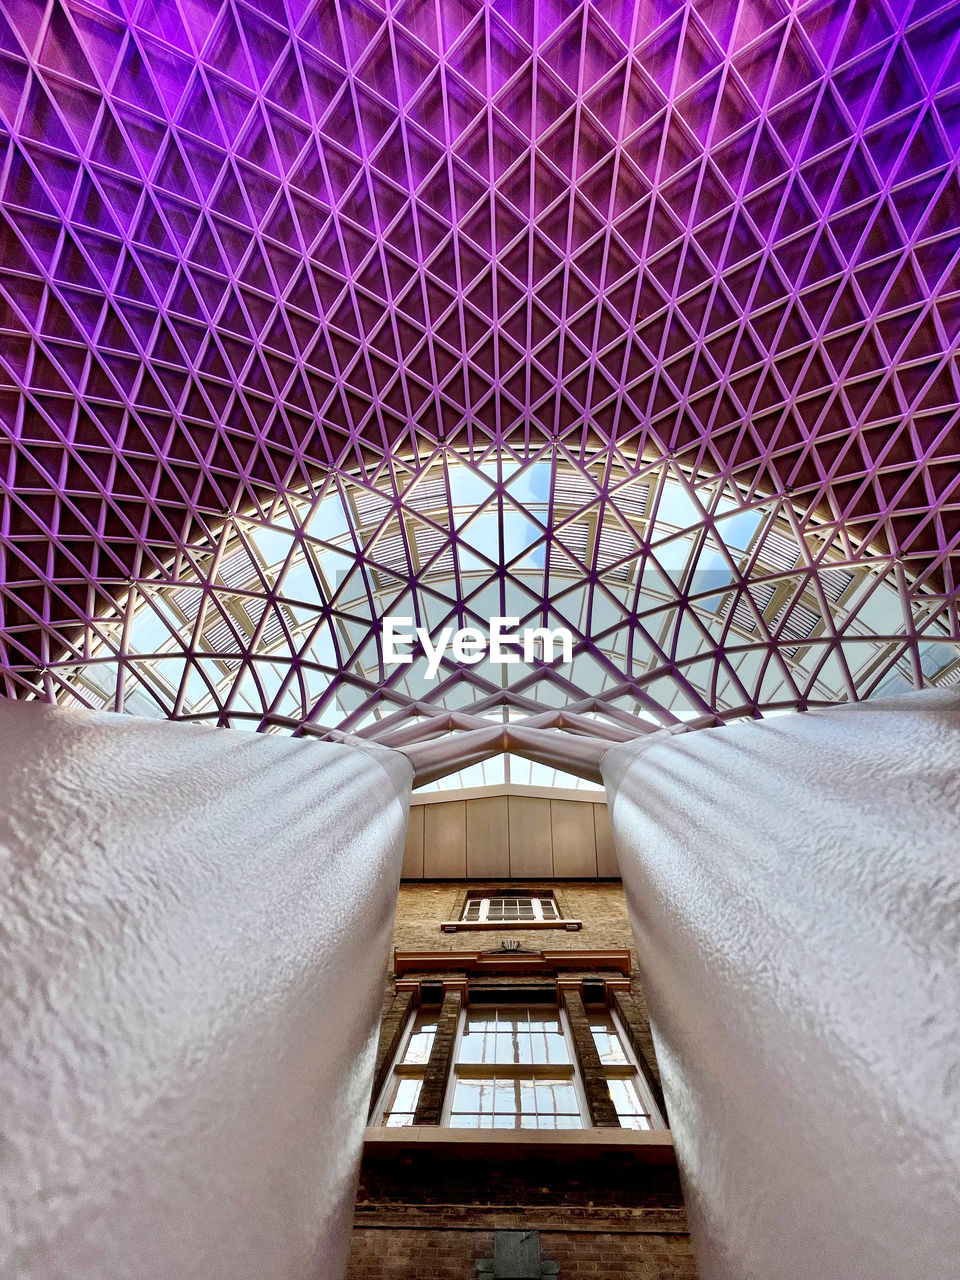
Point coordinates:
[(247, 247)]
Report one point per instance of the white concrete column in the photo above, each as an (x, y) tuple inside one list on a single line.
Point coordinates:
[(794, 886), (194, 925)]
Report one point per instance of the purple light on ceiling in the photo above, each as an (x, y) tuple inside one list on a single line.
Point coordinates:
[(243, 245)]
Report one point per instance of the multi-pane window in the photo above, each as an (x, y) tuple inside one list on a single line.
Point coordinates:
[(510, 909), (631, 1096), (403, 1090), (514, 1069)]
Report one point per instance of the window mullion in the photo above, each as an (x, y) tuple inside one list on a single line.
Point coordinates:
[(582, 1102), (600, 1105), (436, 1075), (454, 1065)]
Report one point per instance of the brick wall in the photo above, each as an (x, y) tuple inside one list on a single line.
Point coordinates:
[(423, 906), (599, 905), (451, 1254), (430, 1104), (430, 1215)]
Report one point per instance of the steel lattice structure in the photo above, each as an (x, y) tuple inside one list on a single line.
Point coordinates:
[(635, 318)]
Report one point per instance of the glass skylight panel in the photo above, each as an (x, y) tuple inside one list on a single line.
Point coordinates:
[(594, 393), (680, 595)]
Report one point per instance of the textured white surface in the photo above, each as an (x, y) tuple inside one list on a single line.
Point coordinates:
[(795, 889), (194, 926)]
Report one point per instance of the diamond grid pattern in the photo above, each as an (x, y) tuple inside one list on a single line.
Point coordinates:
[(653, 575), (252, 252)]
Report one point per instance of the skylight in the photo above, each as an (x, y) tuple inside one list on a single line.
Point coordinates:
[(689, 602)]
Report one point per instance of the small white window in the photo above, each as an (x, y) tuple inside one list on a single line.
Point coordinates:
[(629, 1090), (399, 1102), (510, 909)]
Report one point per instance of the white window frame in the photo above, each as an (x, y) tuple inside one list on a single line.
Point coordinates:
[(548, 1071), (624, 1072), (399, 1070), (631, 1069), (538, 919), (536, 900)]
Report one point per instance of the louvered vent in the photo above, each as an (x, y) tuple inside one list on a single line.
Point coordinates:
[(948, 677), (632, 498), (778, 552), (390, 551), (574, 537), (835, 582), (428, 542), (371, 507), (429, 495), (744, 618), (571, 492), (802, 623), (612, 545)]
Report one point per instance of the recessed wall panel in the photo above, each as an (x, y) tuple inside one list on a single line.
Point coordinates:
[(531, 843)]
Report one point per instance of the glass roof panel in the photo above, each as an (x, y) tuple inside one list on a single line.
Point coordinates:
[(718, 611), (257, 382)]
